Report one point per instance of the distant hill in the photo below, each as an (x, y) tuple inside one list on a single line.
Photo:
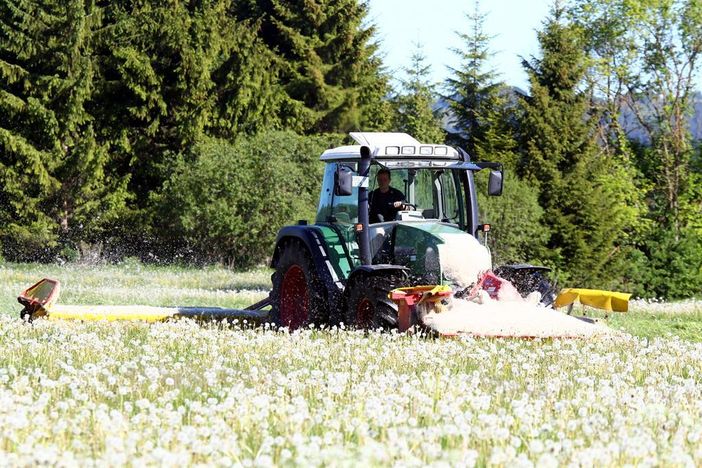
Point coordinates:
[(633, 129), (628, 119), (442, 107)]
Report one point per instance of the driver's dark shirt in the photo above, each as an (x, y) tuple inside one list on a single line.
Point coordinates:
[(382, 204)]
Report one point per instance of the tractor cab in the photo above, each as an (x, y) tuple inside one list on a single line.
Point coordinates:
[(439, 194)]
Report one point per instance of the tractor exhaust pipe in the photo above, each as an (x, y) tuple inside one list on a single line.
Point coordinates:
[(362, 226)]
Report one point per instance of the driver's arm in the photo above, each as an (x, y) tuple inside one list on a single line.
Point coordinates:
[(399, 203)]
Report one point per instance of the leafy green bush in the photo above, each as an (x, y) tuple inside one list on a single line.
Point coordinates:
[(517, 234), (36, 241), (674, 265), (226, 202)]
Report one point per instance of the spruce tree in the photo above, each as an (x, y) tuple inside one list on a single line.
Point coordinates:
[(483, 123), (478, 100), (55, 179), (414, 113), (331, 74), (374, 107), (585, 210)]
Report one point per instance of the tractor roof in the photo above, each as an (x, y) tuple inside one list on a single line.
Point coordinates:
[(390, 146)]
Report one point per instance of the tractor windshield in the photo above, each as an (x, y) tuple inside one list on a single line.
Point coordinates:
[(431, 193)]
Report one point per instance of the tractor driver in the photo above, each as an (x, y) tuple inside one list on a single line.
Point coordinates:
[(385, 201)]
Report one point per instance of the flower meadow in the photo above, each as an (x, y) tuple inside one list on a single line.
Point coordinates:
[(106, 394), (182, 393)]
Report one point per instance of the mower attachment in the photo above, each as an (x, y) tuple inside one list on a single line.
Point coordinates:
[(39, 297), (608, 301), (407, 300), (41, 300), (482, 311)]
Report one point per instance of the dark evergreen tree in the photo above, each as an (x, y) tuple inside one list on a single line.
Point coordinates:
[(375, 109), (413, 106), (483, 122), (55, 174), (332, 77), (171, 74)]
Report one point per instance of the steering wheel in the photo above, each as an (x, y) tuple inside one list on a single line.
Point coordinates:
[(411, 205)]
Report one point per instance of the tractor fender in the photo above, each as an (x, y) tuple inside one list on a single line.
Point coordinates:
[(317, 247)]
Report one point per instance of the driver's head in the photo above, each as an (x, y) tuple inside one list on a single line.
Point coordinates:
[(383, 178)]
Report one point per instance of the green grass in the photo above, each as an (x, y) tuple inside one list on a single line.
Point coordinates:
[(134, 283), (687, 325), (655, 319)]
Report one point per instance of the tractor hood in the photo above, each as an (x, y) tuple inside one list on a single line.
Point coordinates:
[(440, 253)]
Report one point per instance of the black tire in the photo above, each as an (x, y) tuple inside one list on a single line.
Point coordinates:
[(298, 296), (368, 305)]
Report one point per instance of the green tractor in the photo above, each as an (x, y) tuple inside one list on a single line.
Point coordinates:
[(343, 268)]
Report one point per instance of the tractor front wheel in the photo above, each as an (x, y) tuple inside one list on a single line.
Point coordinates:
[(368, 305), (297, 295)]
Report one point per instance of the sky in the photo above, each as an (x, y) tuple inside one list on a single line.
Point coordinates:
[(434, 24), (400, 24)]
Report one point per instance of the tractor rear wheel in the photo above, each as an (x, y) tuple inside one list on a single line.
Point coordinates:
[(298, 294), (368, 305)]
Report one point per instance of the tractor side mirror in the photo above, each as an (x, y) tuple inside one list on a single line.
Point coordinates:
[(343, 181), (495, 183)]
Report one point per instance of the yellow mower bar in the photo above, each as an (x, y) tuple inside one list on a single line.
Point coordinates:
[(609, 301), (40, 300), (111, 313)]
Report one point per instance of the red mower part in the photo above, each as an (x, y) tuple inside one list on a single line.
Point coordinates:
[(39, 296), (294, 299), (489, 282), (407, 300)]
